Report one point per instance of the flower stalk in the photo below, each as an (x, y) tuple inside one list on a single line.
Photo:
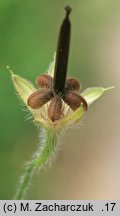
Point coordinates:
[(41, 158)]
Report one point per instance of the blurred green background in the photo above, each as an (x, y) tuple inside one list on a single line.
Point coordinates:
[(88, 163)]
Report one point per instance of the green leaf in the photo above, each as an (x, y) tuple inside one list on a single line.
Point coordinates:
[(23, 87), (74, 117), (92, 94)]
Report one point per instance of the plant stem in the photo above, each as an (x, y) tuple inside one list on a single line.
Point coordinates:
[(41, 158)]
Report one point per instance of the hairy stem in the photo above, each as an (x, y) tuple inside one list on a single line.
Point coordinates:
[(42, 156)]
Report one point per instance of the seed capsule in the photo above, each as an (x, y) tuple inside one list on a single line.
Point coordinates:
[(39, 98), (55, 109), (72, 84), (74, 100), (44, 81)]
